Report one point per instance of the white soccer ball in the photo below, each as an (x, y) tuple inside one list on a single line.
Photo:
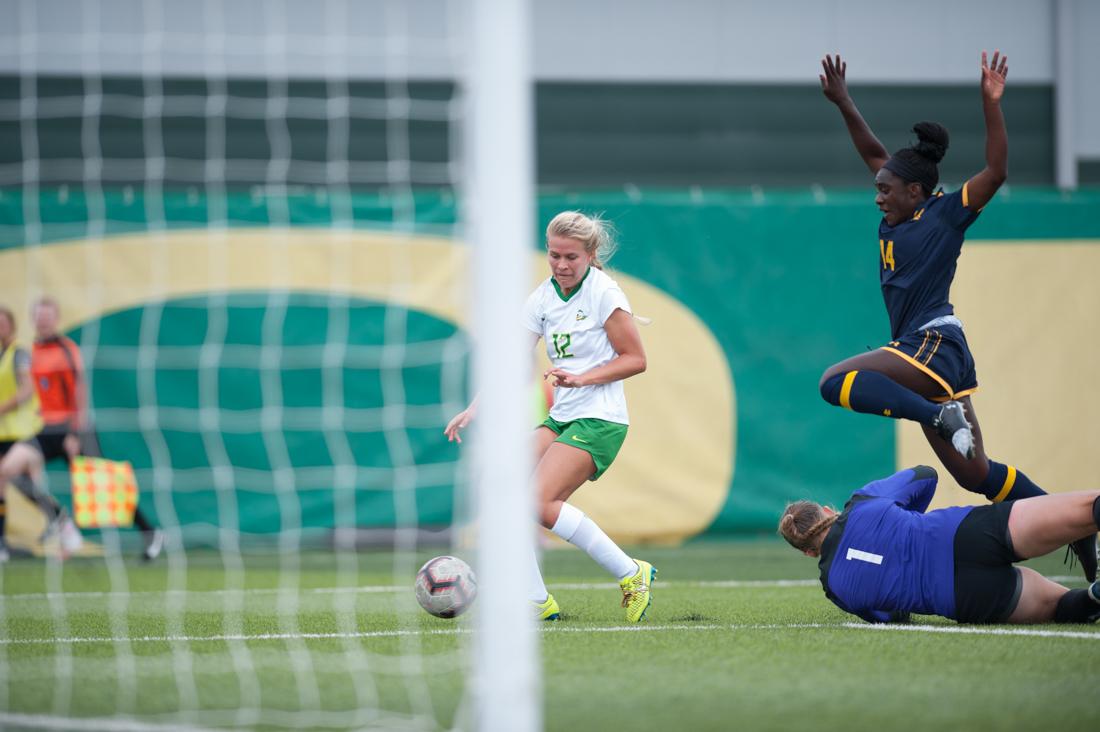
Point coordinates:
[(446, 587)]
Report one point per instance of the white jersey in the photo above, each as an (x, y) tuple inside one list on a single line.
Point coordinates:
[(577, 342)]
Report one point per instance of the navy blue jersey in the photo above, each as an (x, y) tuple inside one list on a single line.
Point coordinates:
[(917, 260), (885, 558)]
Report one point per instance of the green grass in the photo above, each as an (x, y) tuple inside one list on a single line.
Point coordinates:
[(710, 657)]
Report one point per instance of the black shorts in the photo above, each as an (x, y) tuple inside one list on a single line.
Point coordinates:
[(51, 445), (942, 353), (987, 586)]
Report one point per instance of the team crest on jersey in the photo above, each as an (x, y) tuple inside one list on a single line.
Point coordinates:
[(581, 315)]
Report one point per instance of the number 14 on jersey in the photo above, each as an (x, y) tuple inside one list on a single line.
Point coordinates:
[(886, 249)]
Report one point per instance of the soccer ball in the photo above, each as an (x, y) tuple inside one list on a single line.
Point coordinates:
[(446, 587)]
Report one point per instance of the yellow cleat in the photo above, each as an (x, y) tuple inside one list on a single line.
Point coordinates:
[(547, 610), (636, 591)]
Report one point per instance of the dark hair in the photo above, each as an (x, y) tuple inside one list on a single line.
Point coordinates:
[(802, 521), (918, 163)]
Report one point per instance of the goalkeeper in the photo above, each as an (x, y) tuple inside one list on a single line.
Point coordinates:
[(883, 557)]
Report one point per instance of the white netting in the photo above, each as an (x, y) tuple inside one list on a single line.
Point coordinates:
[(247, 213)]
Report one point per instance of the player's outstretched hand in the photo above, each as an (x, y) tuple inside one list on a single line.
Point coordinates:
[(833, 83), (993, 76), (458, 422), (563, 378), (71, 443)]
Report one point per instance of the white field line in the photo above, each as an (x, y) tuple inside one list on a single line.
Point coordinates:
[(121, 724), (971, 630), (382, 589), (554, 629)]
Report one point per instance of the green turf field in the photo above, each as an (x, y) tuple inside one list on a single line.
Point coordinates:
[(731, 643)]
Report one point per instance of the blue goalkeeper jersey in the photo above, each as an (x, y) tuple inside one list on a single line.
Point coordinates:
[(917, 260), (885, 558)]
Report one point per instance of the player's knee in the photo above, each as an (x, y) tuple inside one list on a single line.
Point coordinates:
[(830, 387), (548, 513)]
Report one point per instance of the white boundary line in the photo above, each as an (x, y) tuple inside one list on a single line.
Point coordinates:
[(381, 589), (119, 724), (553, 629)]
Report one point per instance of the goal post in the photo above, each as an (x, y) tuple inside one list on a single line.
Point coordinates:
[(499, 218)]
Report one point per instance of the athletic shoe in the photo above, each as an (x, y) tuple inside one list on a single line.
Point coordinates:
[(4, 556), (636, 593), (1086, 552), (952, 426), (1094, 595), (154, 543), (547, 610), (70, 537), (53, 527)]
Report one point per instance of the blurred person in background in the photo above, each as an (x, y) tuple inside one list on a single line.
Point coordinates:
[(58, 372), (20, 420), (926, 372)]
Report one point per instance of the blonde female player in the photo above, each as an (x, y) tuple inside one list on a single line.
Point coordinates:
[(593, 345)]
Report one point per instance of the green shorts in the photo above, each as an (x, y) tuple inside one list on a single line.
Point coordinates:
[(598, 437)]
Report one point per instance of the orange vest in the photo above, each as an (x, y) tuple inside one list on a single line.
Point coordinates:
[(58, 375)]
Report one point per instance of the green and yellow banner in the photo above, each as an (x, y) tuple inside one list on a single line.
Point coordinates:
[(274, 372)]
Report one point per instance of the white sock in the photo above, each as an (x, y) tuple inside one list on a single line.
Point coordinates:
[(581, 531), (537, 588)]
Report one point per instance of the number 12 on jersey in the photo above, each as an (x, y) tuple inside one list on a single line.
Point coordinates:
[(561, 343)]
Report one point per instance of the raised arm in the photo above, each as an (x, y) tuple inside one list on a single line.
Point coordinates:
[(835, 88), (980, 188)]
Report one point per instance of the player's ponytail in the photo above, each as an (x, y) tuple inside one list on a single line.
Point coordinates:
[(802, 522), (932, 141), (919, 163)]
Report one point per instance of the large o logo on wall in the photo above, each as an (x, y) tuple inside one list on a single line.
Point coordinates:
[(674, 472)]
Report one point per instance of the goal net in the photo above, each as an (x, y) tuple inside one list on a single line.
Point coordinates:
[(270, 228)]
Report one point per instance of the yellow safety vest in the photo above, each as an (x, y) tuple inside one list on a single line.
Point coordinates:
[(25, 420)]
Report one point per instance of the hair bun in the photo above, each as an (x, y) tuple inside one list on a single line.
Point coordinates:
[(933, 140)]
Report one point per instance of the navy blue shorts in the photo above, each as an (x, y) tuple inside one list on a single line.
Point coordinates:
[(943, 354)]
